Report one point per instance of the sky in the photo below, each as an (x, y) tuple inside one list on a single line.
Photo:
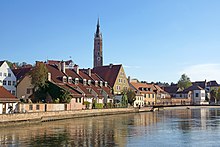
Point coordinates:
[(154, 40)]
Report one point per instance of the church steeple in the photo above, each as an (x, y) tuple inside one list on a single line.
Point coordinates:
[(98, 57), (98, 33)]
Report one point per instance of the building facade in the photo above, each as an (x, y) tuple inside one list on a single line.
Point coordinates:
[(7, 78)]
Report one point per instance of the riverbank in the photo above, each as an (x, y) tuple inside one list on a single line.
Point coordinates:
[(37, 117)]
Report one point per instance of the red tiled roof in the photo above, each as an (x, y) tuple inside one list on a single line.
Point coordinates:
[(56, 75), (6, 96), (84, 75), (72, 73), (108, 73), (21, 72), (73, 91), (56, 62)]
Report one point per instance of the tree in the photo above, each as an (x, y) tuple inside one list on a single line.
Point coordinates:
[(39, 79), (215, 94), (184, 82), (65, 97), (39, 76), (130, 94)]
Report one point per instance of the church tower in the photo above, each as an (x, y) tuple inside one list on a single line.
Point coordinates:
[(98, 57)]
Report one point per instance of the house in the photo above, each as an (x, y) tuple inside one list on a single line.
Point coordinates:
[(93, 89), (146, 90), (114, 75), (162, 97), (24, 87), (7, 78), (59, 81), (197, 94), (7, 100)]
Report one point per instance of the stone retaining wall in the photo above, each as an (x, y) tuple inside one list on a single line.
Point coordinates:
[(20, 118)]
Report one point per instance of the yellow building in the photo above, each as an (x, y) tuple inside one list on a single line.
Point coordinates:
[(147, 90)]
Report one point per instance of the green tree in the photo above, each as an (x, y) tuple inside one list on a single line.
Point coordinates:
[(131, 96), (65, 96), (184, 82), (39, 80), (39, 76), (215, 94)]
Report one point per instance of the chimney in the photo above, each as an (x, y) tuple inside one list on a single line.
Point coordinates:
[(76, 68), (89, 72), (59, 66), (49, 76), (129, 79), (63, 66), (110, 65)]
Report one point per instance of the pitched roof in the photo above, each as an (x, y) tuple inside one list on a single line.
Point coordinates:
[(193, 87), (6, 96), (140, 86), (212, 84), (21, 72), (109, 73), (56, 75), (200, 83), (171, 89), (56, 62)]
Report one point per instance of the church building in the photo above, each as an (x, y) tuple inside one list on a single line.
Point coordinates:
[(98, 55)]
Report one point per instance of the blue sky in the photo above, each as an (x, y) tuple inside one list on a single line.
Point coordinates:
[(155, 40)]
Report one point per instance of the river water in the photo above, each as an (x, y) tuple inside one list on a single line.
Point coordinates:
[(176, 127)]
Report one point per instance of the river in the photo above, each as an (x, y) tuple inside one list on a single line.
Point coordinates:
[(174, 127)]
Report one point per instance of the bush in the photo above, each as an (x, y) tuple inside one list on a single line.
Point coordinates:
[(98, 105)]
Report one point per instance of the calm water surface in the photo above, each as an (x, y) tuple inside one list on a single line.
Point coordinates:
[(177, 127)]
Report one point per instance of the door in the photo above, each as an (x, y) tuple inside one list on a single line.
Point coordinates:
[(4, 108)]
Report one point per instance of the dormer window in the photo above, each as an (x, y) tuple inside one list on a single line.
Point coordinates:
[(89, 82), (76, 80), (70, 80), (96, 83), (106, 84), (101, 83), (64, 79), (84, 81)]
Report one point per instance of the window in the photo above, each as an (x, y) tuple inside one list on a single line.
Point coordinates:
[(118, 87), (0, 74), (9, 83), (0, 81), (13, 83), (70, 79), (4, 82), (30, 107), (197, 94), (76, 81), (79, 100), (9, 74), (149, 95), (37, 107), (28, 90), (64, 79), (5, 74), (13, 92)]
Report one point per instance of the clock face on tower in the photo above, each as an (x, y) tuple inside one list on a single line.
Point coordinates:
[(98, 58)]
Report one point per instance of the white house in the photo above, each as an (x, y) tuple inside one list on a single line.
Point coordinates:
[(139, 100), (7, 78), (197, 94)]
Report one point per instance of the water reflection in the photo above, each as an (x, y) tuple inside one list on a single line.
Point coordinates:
[(164, 128)]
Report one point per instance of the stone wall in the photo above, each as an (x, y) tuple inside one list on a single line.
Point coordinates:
[(17, 118)]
